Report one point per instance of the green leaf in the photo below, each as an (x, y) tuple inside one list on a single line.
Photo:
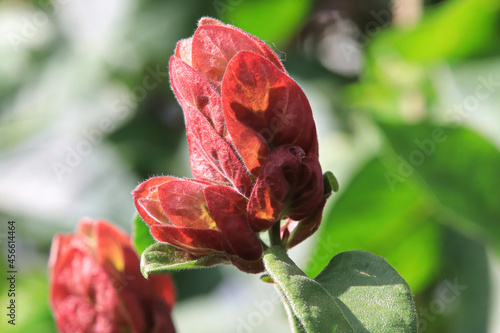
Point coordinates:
[(141, 236), (163, 258), (357, 292), (249, 15), (399, 79), (457, 167), (466, 280), (395, 224), (373, 296), (294, 322), (455, 29), (310, 307), (34, 290), (331, 183)]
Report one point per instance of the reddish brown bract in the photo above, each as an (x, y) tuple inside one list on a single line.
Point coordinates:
[(96, 284), (253, 151)]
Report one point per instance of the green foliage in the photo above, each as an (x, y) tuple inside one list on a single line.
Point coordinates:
[(466, 187), (463, 291), (331, 183), (311, 308), (399, 79), (452, 31), (187, 282), (356, 292), (395, 205), (141, 236), (432, 222), (32, 304), (250, 15), (393, 224), (164, 258)]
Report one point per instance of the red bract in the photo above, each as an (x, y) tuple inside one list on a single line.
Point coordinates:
[(253, 151), (96, 284)]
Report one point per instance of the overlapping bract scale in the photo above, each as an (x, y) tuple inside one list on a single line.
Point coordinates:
[(253, 151)]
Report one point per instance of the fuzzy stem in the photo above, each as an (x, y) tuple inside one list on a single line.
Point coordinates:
[(275, 235)]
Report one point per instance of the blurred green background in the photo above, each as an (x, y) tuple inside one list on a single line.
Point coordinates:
[(405, 94)]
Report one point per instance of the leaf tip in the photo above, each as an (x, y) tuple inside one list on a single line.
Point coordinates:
[(266, 278), (330, 183), (144, 270)]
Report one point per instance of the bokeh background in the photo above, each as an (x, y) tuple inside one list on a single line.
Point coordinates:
[(405, 94)]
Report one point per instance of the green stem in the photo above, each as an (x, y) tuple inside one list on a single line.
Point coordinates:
[(275, 235)]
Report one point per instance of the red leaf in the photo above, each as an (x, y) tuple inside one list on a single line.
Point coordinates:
[(96, 274), (264, 108), (151, 212), (209, 21), (184, 204), (110, 243), (183, 50), (308, 191), (149, 188), (288, 184), (267, 201), (147, 202), (214, 150), (214, 45), (252, 267), (228, 209), (297, 231), (163, 285), (192, 89), (195, 241), (212, 157), (201, 163)]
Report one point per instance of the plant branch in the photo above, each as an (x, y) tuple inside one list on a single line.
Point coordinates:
[(275, 235)]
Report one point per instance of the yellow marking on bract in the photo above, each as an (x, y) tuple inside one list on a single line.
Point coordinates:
[(205, 216)]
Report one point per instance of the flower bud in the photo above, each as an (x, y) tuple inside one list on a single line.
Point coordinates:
[(96, 284), (253, 151)]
